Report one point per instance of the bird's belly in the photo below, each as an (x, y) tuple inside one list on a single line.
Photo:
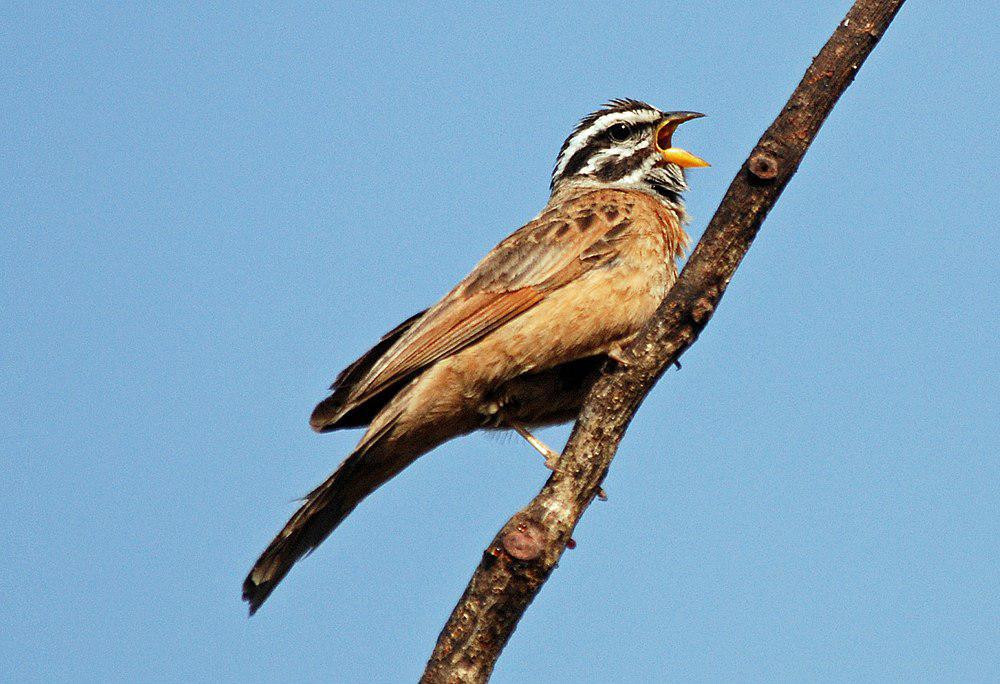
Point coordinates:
[(546, 397)]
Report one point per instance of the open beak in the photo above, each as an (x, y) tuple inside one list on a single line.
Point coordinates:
[(664, 133)]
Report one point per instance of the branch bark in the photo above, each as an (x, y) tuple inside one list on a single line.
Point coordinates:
[(525, 551)]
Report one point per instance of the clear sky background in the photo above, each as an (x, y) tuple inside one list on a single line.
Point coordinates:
[(208, 211)]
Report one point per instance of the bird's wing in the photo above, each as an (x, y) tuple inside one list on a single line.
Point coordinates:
[(550, 251), (329, 414)]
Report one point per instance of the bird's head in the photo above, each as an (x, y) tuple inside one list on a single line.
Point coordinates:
[(627, 144)]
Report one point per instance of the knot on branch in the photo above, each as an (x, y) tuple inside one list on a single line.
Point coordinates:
[(525, 542), (763, 165)]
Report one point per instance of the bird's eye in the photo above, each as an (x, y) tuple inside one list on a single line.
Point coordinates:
[(620, 132)]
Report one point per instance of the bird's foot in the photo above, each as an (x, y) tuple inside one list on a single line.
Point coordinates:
[(551, 460), (616, 354), (551, 455)]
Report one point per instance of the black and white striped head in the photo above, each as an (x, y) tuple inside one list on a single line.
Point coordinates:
[(627, 144)]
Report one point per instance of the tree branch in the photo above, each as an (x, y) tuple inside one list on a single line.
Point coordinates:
[(526, 550)]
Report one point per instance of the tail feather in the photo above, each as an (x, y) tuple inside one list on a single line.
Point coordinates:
[(324, 509)]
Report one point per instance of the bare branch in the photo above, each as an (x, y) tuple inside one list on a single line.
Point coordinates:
[(525, 551)]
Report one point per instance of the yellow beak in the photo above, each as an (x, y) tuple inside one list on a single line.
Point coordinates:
[(671, 154)]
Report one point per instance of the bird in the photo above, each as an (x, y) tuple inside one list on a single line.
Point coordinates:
[(518, 342)]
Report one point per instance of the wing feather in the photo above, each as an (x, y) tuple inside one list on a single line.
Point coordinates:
[(550, 251), (466, 321)]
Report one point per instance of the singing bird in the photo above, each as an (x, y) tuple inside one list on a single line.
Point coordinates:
[(519, 341)]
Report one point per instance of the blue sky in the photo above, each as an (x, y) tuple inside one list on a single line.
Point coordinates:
[(208, 211)]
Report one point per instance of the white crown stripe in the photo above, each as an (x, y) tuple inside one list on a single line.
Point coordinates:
[(600, 124)]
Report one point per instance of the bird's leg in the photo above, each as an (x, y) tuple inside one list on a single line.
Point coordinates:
[(551, 456)]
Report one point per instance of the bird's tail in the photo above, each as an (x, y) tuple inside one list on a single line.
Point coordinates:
[(370, 466)]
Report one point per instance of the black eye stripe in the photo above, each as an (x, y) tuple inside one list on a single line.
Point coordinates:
[(599, 142), (579, 159)]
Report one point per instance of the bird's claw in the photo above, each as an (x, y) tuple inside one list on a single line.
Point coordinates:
[(551, 460), (616, 354)]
